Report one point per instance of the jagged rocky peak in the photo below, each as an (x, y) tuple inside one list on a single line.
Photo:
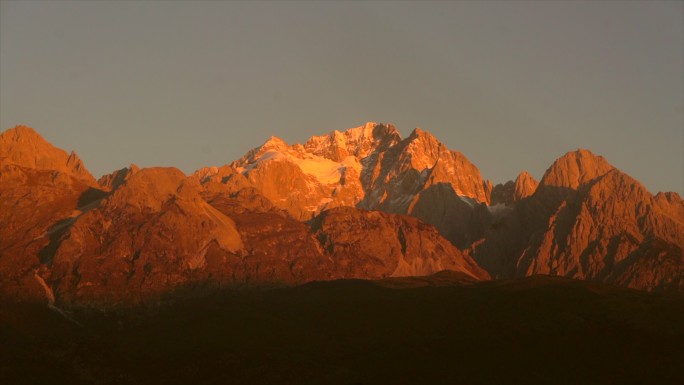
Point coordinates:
[(602, 233), (615, 184), (15, 138), (503, 193), (221, 174), (148, 188), (419, 138), (589, 220), (323, 172), (420, 133), (205, 173), (274, 143), (619, 197), (358, 142), (669, 196), (671, 203), (23, 146), (112, 181), (426, 153), (369, 166), (574, 169), (424, 149), (221, 181), (525, 185)]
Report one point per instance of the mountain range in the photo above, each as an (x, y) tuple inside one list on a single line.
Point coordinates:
[(363, 203)]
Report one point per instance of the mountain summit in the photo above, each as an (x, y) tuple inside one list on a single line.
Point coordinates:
[(588, 220), (368, 166), (24, 147), (574, 169)]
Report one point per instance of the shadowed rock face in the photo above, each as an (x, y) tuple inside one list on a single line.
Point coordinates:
[(514, 191), (460, 220), (111, 181)]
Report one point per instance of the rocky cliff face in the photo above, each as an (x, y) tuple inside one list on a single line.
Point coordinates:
[(42, 190), (152, 234), (36, 206), (414, 165), (575, 169), (117, 178), (588, 220), (24, 147), (372, 244), (525, 186), (370, 167), (512, 192)]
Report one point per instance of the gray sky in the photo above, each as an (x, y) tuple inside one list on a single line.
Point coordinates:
[(512, 85)]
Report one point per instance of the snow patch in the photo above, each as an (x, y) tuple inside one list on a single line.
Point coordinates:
[(468, 200), (402, 200), (323, 170), (363, 132), (499, 209), (266, 156)]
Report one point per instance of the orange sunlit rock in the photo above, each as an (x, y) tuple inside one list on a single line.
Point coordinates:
[(286, 215)]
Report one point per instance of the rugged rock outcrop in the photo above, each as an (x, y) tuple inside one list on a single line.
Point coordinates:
[(588, 220), (42, 190), (414, 165), (117, 178), (151, 235), (370, 167), (372, 244), (23, 146), (525, 186), (36, 206), (460, 220), (512, 192), (574, 169)]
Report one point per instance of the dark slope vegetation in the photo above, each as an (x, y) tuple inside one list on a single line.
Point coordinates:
[(442, 329)]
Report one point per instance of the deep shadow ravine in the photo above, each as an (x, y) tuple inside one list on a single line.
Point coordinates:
[(436, 330)]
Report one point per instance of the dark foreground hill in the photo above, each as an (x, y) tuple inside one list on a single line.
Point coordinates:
[(442, 329)]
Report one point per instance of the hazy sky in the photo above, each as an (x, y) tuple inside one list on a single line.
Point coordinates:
[(512, 85)]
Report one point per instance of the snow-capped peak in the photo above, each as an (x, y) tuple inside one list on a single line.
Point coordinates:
[(274, 143), (364, 132)]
